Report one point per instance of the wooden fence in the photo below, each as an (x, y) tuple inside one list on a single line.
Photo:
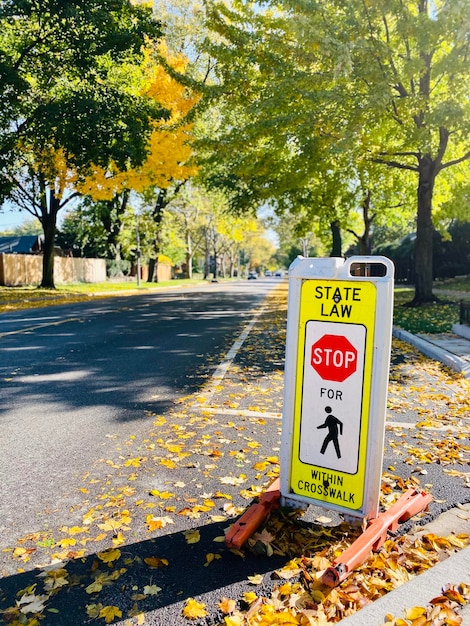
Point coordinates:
[(26, 269)]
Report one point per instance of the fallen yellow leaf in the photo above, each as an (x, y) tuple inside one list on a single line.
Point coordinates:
[(134, 462), (256, 579), (194, 609), (74, 530), (94, 587), (210, 556), (109, 613), (192, 536), (155, 561), (227, 606), (250, 597), (108, 556), (119, 539), (154, 523), (151, 590)]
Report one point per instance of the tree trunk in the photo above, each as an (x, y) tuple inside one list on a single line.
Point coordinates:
[(364, 240), (233, 258), (151, 271), (424, 232), (111, 217), (215, 264), (336, 237), (48, 221)]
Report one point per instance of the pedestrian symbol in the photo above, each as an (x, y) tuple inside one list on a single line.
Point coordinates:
[(332, 407), (335, 427)]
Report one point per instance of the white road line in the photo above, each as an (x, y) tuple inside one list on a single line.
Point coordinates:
[(278, 416), (409, 425), (209, 389), (30, 328), (242, 413)]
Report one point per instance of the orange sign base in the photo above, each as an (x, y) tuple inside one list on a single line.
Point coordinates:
[(254, 516), (410, 503)]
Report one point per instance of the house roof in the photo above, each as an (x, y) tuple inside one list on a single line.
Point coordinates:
[(23, 244)]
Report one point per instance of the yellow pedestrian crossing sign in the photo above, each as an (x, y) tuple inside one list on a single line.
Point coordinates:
[(337, 359)]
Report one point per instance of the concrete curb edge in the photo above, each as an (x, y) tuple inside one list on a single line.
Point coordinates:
[(417, 592), (434, 352)]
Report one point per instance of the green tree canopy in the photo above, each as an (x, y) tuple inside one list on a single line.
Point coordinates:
[(408, 66), (310, 88), (70, 98)]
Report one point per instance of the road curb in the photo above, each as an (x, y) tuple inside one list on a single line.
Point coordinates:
[(453, 570), (417, 592), (434, 352)]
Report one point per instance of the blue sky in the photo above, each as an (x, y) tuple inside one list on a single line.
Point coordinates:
[(9, 218)]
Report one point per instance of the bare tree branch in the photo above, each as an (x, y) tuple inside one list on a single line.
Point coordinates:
[(464, 157), (397, 164)]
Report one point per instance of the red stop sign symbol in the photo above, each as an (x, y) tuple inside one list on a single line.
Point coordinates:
[(334, 357)]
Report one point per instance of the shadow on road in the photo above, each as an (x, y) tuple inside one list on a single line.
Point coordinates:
[(124, 580), (137, 353)]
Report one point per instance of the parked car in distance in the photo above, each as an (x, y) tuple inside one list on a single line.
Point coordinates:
[(252, 275), (278, 273), (268, 273)]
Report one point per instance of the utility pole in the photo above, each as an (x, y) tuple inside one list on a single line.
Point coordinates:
[(305, 243), (137, 252)]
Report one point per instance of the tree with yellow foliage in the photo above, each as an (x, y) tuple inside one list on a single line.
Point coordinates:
[(68, 100), (168, 161)]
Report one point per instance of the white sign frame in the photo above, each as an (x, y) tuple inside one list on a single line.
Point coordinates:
[(314, 407)]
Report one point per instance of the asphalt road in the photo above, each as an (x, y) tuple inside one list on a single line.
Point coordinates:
[(91, 388), (76, 378)]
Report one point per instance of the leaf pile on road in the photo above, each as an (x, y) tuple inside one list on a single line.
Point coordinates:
[(13, 299), (147, 529)]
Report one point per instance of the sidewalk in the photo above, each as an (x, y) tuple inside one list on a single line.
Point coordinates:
[(451, 349)]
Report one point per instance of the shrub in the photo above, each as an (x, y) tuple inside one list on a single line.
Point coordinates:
[(116, 268)]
